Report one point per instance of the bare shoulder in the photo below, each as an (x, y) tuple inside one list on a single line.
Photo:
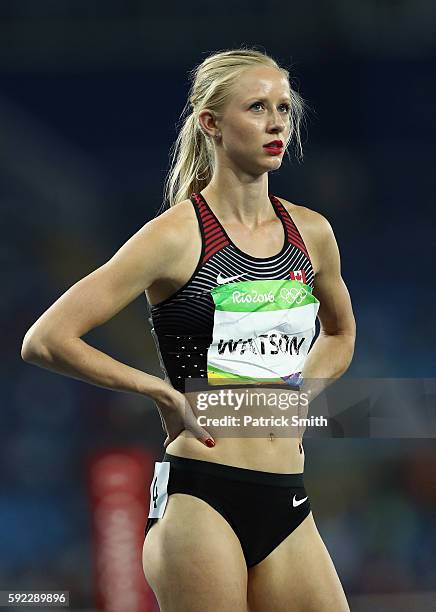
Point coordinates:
[(177, 248), (313, 227), (175, 224), (168, 234), (315, 221)]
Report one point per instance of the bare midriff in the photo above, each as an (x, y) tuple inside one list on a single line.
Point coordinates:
[(268, 448)]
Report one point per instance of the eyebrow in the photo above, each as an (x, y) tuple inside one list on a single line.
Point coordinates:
[(263, 99)]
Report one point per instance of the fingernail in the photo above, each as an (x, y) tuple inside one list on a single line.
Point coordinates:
[(209, 442)]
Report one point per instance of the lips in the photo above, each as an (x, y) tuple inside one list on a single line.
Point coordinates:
[(275, 143)]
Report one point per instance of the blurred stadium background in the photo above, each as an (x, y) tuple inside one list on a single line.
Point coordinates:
[(89, 99)]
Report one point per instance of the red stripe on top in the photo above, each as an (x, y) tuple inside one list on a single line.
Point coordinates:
[(214, 236), (216, 239), (210, 224), (212, 243), (294, 236), (208, 254)]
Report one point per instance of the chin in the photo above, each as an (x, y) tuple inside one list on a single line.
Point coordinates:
[(275, 163)]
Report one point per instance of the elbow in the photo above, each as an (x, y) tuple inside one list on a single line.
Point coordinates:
[(349, 341), (352, 339), (347, 337), (28, 351), (33, 350), (345, 341), (25, 353), (344, 334), (352, 344), (27, 348)]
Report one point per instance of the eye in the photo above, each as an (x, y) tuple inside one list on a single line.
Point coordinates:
[(256, 104), (285, 105)]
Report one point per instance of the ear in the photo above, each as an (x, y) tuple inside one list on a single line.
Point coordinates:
[(208, 123)]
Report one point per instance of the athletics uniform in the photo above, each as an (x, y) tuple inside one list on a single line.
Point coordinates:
[(239, 320)]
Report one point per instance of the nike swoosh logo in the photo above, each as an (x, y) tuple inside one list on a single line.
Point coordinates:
[(221, 280), (298, 502)]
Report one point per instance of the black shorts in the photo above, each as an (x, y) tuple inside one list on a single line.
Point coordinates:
[(262, 508)]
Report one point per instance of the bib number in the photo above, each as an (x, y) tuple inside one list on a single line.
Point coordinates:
[(159, 489)]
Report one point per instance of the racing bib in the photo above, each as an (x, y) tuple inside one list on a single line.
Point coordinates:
[(262, 331), (158, 489)]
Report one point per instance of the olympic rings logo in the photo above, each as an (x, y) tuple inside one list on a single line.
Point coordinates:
[(293, 295)]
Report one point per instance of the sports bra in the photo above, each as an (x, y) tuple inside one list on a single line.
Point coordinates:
[(239, 319)]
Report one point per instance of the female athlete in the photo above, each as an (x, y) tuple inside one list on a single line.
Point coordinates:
[(235, 278)]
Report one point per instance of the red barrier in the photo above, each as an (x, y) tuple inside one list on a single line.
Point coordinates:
[(119, 483)]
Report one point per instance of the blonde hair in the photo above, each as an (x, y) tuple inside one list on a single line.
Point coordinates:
[(192, 154)]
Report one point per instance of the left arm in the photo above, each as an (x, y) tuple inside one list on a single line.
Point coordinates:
[(332, 351)]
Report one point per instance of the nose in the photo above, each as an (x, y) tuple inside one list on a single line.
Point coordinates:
[(277, 122)]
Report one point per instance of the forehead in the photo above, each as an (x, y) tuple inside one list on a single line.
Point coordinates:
[(261, 81)]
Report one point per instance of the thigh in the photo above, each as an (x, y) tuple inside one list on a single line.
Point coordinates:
[(193, 560), (297, 576)]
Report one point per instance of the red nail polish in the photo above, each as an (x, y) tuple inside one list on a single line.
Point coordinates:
[(209, 442)]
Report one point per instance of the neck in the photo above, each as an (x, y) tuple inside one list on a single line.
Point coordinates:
[(239, 201)]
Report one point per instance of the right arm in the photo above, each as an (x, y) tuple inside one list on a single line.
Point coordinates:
[(54, 340)]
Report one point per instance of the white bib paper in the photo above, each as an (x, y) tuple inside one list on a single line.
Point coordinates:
[(262, 331), (158, 489)]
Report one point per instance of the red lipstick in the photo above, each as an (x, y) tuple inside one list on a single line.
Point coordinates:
[(275, 147)]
